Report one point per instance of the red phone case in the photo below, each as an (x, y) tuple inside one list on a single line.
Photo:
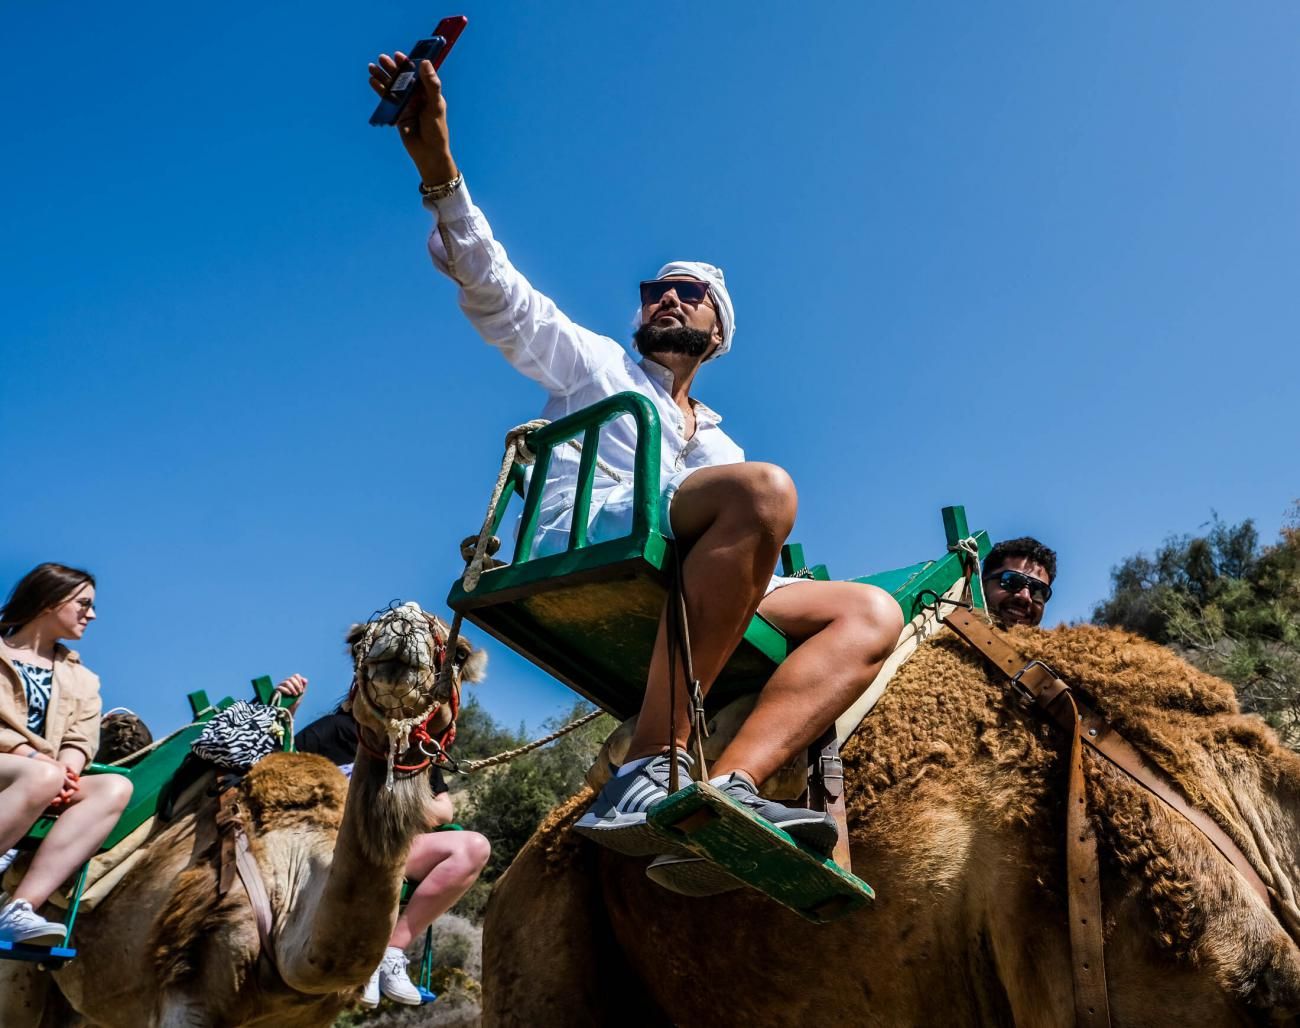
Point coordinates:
[(450, 30)]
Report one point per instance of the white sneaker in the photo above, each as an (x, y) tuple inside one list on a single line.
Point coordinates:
[(370, 998), (20, 923), (394, 982)]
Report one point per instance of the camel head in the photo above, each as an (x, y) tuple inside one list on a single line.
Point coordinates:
[(405, 679), (405, 689)]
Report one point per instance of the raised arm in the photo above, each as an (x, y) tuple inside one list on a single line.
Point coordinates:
[(526, 326)]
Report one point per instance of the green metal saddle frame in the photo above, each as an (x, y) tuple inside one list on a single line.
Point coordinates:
[(589, 614), (150, 774)]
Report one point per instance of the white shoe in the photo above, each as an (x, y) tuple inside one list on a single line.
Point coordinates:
[(20, 923), (394, 982), (370, 998)]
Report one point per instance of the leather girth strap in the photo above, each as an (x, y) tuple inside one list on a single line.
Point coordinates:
[(1038, 688), (236, 858)]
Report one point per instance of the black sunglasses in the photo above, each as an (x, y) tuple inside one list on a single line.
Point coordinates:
[(1014, 581), (687, 290)]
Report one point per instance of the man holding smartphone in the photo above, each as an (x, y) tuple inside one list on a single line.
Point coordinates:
[(729, 516)]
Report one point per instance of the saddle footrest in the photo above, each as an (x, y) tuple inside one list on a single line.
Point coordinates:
[(758, 853), (52, 957)]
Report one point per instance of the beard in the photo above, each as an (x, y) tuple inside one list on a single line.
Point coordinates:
[(692, 342)]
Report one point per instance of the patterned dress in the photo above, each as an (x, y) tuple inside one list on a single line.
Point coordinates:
[(37, 682)]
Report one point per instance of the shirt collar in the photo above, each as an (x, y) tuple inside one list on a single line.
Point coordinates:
[(704, 414)]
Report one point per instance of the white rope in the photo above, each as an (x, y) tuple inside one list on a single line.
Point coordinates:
[(516, 451), (470, 766), (970, 549)]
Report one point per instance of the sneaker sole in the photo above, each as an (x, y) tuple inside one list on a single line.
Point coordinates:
[(695, 877), (405, 1002), (815, 832), (39, 937), (632, 838)]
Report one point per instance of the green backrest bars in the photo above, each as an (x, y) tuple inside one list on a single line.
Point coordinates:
[(588, 423), (588, 614)]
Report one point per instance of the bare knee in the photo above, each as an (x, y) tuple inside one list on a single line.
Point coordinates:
[(114, 792), (43, 781), (476, 850), (766, 494), (877, 621), (470, 856)]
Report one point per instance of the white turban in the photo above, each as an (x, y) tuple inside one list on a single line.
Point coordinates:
[(717, 290)]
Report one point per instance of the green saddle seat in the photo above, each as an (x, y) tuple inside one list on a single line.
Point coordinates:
[(589, 615), (151, 771)]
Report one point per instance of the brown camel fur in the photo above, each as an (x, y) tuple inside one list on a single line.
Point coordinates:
[(956, 810), (164, 948)]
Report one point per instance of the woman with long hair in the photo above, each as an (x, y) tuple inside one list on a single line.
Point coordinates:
[(49, 730)]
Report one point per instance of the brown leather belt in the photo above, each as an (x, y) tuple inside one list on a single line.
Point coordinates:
[(1038, 688), (236, 858)]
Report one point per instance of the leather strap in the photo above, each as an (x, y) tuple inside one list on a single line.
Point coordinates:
[(826, 790), (255, 886), (1083, 871), (236, 858), (1038, 688), (1037, 685), (227, 821)]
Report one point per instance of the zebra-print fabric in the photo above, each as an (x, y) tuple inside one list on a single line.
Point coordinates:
[(240, 736), (37, 683)]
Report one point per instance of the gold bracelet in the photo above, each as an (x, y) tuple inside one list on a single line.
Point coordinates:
[(442, 191)]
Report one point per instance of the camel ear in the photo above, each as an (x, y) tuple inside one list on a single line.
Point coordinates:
[(473, 668), (354, 634)]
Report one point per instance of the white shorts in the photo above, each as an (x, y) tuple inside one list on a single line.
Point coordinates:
[(611, 518)]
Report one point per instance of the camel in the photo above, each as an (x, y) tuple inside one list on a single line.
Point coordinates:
[(956, 813), (165, 949)]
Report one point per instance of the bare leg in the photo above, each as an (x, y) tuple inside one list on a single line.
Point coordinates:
[(27, 786), (846, 631), (76, 835), (732, 521), (446, 865)]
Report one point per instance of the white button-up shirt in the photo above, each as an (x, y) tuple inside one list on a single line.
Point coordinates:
[(576, 367)]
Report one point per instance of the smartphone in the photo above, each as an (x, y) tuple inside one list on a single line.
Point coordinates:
[(406, 83)]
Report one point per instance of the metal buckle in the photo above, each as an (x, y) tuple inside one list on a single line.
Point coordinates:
[(1024, 697), (936, 599)]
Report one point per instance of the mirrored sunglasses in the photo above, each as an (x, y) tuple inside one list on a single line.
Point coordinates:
[(687, 290), (1014, 581)]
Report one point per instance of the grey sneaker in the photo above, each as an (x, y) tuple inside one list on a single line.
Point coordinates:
[(617, 819), (814, 829), (690, 875)]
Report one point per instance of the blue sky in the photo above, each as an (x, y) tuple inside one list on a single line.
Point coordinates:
[(1039, 261)]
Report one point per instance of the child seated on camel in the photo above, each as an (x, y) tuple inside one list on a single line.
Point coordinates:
[(49, 730), (444, 864)]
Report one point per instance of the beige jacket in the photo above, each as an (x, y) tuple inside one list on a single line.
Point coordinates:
[(73, 716)]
